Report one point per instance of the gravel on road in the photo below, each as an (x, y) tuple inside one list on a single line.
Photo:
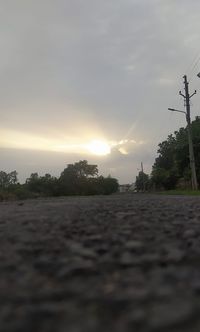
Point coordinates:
[(100, 264)]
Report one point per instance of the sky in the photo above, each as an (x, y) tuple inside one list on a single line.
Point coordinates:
[(90, 79)]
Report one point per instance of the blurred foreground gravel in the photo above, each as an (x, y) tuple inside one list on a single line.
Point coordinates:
[(116, 263)]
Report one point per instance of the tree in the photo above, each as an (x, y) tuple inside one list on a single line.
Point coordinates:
[(79, 178), (44, 185), (172, 163), (7, 179), (142, 182), (33, 183), (74, 179), (107, 186), (83, 169)]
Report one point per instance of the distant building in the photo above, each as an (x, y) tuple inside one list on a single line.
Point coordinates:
[(132, 187), (124, 188)]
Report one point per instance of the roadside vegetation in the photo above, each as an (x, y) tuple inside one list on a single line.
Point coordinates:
[(171, 169), (79, 178), (181, 192)]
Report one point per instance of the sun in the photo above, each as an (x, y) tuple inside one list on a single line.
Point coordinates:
[(100, 148)]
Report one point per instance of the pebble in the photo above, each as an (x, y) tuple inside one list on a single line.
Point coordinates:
[(189, 233), (134, 245), (170, 314)]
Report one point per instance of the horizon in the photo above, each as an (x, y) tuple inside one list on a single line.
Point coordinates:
[(93, 81)]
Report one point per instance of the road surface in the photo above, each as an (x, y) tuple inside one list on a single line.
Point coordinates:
[(100, 264)]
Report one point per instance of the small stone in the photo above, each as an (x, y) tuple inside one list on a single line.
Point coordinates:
[(95, 238), (134, 245), (126, 259), (151, 258), (139, 293), (189, 233), (77, 268), (175, 255), (170, 314), (78, 249), (137, 318), (164, 291), (172, 254), (196, 285)]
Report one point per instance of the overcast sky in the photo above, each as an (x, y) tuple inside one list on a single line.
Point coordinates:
[(74, 71)]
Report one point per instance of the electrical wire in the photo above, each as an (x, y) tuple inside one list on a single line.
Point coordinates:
[(193, 65)]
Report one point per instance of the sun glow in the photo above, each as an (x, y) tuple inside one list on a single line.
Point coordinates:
[(71, 145), (20, 140), (100, 148)]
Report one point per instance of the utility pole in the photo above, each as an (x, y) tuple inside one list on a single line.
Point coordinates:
[(187, 98)]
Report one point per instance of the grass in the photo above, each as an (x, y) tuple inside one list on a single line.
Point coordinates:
[(181, 192)]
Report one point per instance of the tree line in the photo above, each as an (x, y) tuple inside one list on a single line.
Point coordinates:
[(171, 168), (79, 178)]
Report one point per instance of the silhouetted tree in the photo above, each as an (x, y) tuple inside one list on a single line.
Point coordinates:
[(79, 178), (44, 185), (142, 182), (74, 179), (7, 179), (107, 186), (172, 163)]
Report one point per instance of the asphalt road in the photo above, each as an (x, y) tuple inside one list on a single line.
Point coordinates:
[(100, 264)]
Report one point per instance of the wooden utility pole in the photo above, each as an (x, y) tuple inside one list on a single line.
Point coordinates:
[(191, 149)]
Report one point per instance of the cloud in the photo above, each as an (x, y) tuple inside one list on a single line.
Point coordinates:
[(77, 70)]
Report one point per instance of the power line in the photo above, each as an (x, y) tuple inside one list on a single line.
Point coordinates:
[(188, 70), (193, 65)]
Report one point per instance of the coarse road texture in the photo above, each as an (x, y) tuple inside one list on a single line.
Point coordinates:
[(114, 263)]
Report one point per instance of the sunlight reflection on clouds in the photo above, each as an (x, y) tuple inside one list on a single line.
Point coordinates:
[(20, 140)]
